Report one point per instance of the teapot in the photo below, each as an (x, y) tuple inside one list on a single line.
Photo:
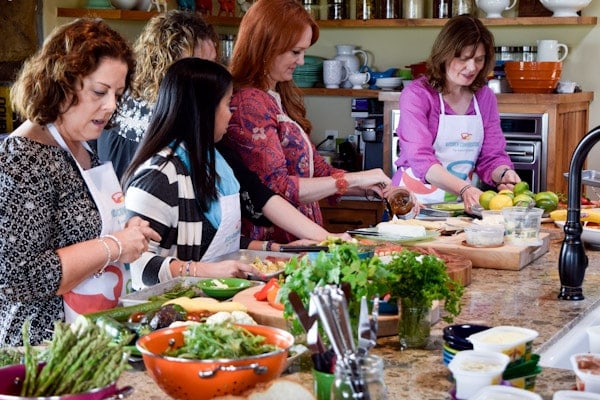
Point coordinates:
[(346, 53)]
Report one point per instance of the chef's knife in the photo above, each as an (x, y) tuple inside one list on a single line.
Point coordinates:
[(302, 249), (308, 323)]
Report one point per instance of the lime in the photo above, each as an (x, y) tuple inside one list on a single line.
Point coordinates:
[(507, 192), (549, 196), (520, 188), (522, 200), (485, 197), (500, 201), (546, 205), (529, 193)]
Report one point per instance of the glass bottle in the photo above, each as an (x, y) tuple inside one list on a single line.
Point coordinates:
[(372, 371), (366, 9), (442, 8), (460, 7), (529, 53)]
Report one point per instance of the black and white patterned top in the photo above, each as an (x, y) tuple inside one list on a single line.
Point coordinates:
[(162, 193), (44, 205)]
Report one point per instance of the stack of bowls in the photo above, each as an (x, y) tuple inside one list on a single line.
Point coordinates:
[(533, 77), (310, 73), (455, 339)]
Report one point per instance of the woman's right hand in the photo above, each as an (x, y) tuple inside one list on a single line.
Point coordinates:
[(373, 179), (135, 238)]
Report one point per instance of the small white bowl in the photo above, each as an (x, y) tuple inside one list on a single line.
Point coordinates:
[(505, 392), (574, 395), (484, 235), (475, 369), (591, 381), (565, 8), (388, 83)]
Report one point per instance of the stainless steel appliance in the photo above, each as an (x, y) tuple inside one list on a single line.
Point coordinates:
[(526, 144), (368, 128)]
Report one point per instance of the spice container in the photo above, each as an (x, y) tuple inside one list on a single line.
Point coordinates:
[(389, 9), (529, 53), (226, 48), (412, 9), (372, 372)]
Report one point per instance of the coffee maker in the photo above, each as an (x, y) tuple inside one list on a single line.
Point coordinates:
[(368, 128)]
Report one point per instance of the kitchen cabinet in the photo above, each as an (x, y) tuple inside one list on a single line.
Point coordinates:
[(351, 214), (568, 120)]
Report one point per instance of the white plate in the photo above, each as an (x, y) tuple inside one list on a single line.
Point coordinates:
[(589, 235)]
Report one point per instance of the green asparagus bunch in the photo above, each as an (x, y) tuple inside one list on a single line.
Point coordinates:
[(80, 357)]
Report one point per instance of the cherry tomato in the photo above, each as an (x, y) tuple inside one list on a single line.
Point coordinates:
[(191, 316)]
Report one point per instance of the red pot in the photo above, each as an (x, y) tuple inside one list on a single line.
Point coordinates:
[(418, 69)]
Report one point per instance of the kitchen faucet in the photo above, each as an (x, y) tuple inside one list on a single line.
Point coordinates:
[(573, 261)]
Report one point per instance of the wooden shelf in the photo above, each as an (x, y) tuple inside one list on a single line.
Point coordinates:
[(341, 92), (135, 15)]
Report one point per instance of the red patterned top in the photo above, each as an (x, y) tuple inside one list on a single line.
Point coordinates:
[(278, 150)]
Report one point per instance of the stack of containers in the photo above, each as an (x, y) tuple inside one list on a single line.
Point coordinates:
[(515, 342)]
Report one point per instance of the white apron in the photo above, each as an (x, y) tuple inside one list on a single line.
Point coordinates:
[(227, 238), (457, 145), (102, 292)]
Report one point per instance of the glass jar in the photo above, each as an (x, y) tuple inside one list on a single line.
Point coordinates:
[(460, 7), (441, 8), (414, 325), (413, 9), (226, 48), (372, 371), (337, 9), (389, 9), (366, 9), (529, 53), (313, 7)]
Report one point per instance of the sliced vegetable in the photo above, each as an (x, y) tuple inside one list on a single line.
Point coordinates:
[(261, 295), (118, 332), (273, 299)]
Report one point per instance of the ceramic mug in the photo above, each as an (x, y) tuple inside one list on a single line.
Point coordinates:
[(357, 79), (548, 50), (334, 72)]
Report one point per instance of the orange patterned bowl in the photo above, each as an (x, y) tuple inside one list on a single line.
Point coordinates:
[(205, 379)]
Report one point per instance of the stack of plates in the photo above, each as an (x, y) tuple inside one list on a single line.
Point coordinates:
[(310, 73)]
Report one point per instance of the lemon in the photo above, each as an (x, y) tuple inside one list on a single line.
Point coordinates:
[(522, 200), (485, 197), (507, 192), (520, 187), (500, 201)]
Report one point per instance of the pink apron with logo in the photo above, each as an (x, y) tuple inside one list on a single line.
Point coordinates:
[(457, 145)]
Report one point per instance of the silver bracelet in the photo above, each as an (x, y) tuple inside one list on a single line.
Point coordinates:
[(98, 273), (119, 245)]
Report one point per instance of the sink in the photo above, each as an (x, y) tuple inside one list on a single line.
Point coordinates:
[(573, 338)]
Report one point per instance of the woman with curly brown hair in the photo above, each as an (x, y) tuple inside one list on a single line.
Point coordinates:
[(64, 238), (269, 128), (449, 123)]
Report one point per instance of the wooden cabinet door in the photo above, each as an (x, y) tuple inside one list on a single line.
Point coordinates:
[(351, 214)]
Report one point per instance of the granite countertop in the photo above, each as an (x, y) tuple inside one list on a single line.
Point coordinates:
[(526, 298)]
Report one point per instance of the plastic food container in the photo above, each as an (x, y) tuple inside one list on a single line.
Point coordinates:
[(484, 235), (574, 395), (498, 392), (523, 225), (475, 369), (514, 341), (587, 369)]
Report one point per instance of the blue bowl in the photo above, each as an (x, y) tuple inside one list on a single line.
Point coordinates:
[(456, 335)]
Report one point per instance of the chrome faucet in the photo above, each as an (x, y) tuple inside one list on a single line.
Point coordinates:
[(572, 261)]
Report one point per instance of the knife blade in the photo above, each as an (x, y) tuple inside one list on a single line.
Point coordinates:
[(308, 323), (302, 249), (364, 329)]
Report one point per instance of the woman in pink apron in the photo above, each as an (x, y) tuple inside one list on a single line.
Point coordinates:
[(63, 236), (449, 126)]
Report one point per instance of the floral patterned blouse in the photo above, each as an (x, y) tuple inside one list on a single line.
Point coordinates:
[(275, 147), (44, 205)]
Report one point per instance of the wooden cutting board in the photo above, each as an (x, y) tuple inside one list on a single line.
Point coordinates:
[(264, 314), (508, 256)]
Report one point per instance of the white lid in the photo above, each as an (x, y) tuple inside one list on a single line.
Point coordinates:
[(574, 395), (498, 392)]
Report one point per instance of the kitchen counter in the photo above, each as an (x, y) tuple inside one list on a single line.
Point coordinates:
[(527, 298)]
